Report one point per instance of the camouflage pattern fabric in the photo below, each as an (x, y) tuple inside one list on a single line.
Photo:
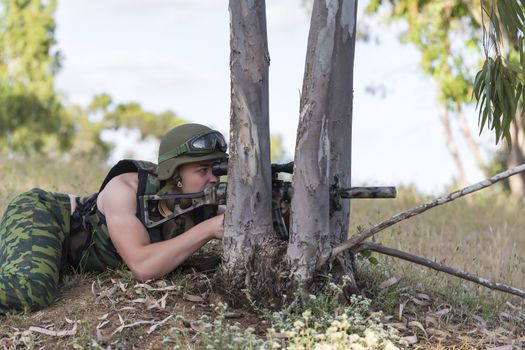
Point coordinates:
[(33, 231)]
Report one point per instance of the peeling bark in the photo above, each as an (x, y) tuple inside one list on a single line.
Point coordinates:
[(322, 151), (516, 157), (248, 218)]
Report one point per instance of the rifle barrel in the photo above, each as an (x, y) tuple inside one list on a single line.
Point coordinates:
[(368, 192)]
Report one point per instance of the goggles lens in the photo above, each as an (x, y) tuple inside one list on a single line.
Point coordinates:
[(207, 143)]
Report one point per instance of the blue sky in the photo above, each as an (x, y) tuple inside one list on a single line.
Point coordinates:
[(174, 54)]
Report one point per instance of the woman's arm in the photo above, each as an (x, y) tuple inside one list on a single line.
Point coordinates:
[(148, 260)]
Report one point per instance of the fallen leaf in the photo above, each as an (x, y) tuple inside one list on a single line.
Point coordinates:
[(410, 339), (122, 286), (54, 333), (423, 296), (71, 321), (504, 347), (505, 315), (196, 326), (140, 300), (418, 325), (162, 301), (442, 312), (401, 307), (420, 302), (102, 324), (103, 317), (389, 282), (232, 314), (194, 298), (120, 328), (156, 325), (480, 320), (161, 283), (126, 308), (430, 319), (438, 332)]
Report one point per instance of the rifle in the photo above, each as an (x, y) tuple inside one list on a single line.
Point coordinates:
[(157, 209)]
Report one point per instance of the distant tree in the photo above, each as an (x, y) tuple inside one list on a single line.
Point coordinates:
[(131, 116), (278, 153), (448, 37), (30, 111), (451, 35)]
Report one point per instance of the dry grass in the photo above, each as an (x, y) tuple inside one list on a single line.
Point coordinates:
[(78, 176), (483, 235)]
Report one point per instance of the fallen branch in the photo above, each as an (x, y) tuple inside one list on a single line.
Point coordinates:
[(420, 209), (436, 266)]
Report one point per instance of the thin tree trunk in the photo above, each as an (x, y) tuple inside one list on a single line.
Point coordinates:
[(516, 157), (452, 148), (473, 146), (248, 218), (340, 111), (318, 154)]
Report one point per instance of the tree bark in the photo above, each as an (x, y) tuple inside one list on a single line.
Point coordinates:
[(452, 148), (515, 158), (323, 136), (248, 218)]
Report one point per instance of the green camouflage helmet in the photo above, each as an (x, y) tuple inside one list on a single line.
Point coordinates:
[(189, 143)]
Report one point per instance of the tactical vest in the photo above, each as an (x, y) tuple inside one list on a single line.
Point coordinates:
[(91, 248)]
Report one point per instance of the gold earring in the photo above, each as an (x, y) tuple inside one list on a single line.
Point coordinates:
[(179, 184)]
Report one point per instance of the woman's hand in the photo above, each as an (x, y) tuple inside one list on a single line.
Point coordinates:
[(216, 226)]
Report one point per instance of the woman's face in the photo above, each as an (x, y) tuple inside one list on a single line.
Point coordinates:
[(196, 176)]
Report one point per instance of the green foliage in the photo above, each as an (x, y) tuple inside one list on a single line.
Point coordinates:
[(30, 112), (215, 334), (103, 114), (277, 152), (499, 85), (498, 88), (433, 27), (310, 322), (132, 116)]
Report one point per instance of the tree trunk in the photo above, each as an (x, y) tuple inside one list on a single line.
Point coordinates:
[(515, 158), (452, 148), (473, 146), (248, 218), (322, 158)]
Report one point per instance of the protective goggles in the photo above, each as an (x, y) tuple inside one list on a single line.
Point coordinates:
[(198, 145)]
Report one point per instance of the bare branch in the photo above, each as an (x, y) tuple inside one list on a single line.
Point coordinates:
[(424, 207), (437, 266)]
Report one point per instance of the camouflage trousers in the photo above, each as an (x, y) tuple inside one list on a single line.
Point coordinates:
[(33, 232)]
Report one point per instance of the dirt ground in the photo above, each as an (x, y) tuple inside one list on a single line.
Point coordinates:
[(112, 310)]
